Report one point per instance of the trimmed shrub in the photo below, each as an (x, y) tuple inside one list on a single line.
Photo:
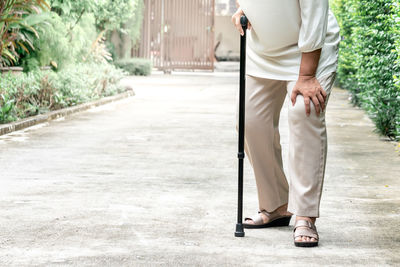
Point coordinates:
[(135, 66), (368, 60)]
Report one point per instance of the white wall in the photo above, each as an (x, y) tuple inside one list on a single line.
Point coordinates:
[(226, 32)]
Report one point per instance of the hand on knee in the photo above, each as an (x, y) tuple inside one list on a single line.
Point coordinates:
[(312, 92)]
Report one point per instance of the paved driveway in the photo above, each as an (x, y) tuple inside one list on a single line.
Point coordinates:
[(151, 181)]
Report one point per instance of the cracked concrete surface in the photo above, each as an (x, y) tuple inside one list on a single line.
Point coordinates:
[(151, 181)]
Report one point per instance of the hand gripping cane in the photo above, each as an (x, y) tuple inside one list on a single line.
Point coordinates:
[(239, 226)]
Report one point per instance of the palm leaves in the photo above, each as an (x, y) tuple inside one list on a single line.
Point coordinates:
[(17, 21)]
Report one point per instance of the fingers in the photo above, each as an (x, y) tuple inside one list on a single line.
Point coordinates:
[(323, 92), (311, 90), (315, 100), (318, 102), (238, 25), (307, 105), (294, 95), (236, 21), (321, 101)]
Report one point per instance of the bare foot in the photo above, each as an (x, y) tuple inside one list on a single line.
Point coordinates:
[(279, 212), (303, 238)]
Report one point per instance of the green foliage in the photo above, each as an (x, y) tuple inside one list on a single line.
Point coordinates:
[(134, 24), (72, 10), (109, 14), (19, 20), (39, 91), (59, 47), (129, 33), (71, 37), (22, 89), (52, 48), (6, 108), (73, 31), (83, 18), (369, 59), (135, 66), (112, 14), (98, 51), (84, 82), (396, 30)]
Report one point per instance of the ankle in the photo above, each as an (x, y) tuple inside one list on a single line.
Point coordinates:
[(281, 211), (310, 219)]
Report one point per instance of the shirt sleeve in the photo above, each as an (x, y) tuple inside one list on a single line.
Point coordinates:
[(314, 23)]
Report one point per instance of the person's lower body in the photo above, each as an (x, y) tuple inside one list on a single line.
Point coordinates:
[(301, 193)]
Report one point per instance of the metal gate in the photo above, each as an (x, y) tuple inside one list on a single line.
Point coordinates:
[(178, 34)]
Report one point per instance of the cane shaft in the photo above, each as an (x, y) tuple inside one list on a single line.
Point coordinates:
[(242, 86)]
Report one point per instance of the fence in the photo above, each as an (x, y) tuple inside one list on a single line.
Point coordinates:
[(178, 34)]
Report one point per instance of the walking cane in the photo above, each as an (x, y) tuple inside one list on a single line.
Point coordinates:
[(239, 225)]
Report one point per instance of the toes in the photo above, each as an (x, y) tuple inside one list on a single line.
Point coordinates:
[(304, 238)]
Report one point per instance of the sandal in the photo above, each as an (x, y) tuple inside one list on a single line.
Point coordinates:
[(259, 222), (307, 229)]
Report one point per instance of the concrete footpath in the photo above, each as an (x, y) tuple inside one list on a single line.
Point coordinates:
[(151, 181)]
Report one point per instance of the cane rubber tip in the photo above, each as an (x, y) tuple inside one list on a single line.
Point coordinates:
[(239, 234), (239, 230)]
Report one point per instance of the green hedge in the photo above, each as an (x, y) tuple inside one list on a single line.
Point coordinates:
[(135, 66), (369, 59), (38, 91)]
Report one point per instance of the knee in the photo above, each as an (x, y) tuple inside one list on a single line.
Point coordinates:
[(297, 113)]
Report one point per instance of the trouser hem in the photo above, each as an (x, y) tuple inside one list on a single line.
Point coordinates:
[(304, 212)]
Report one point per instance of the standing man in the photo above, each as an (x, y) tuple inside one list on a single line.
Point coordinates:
[(292, 50)]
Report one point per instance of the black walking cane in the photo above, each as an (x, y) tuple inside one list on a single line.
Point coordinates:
[(239, 225)]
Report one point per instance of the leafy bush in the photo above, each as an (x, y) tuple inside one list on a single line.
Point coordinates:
[(84, 82), (396, 30), (18, 20), (7, 108), (369, 62), (39, 91), (70, 36), (51, 48), (135, 66), (58, 46)]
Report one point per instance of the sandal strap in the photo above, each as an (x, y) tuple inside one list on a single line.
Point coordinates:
[(257, 219), (307, 229), (265, 213)]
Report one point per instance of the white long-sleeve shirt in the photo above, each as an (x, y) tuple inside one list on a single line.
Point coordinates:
[(282, 30)]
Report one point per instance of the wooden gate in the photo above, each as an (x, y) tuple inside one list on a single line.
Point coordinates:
[(178, 34)]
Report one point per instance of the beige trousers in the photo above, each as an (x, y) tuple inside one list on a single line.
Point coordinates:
[(307, 145)]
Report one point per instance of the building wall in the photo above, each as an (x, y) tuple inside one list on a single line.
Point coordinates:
[(225, 7), (229, 38)]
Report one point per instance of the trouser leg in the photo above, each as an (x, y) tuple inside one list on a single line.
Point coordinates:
[(264, 99), (307, 152)]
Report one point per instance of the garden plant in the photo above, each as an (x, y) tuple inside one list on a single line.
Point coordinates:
[(71, 39)]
